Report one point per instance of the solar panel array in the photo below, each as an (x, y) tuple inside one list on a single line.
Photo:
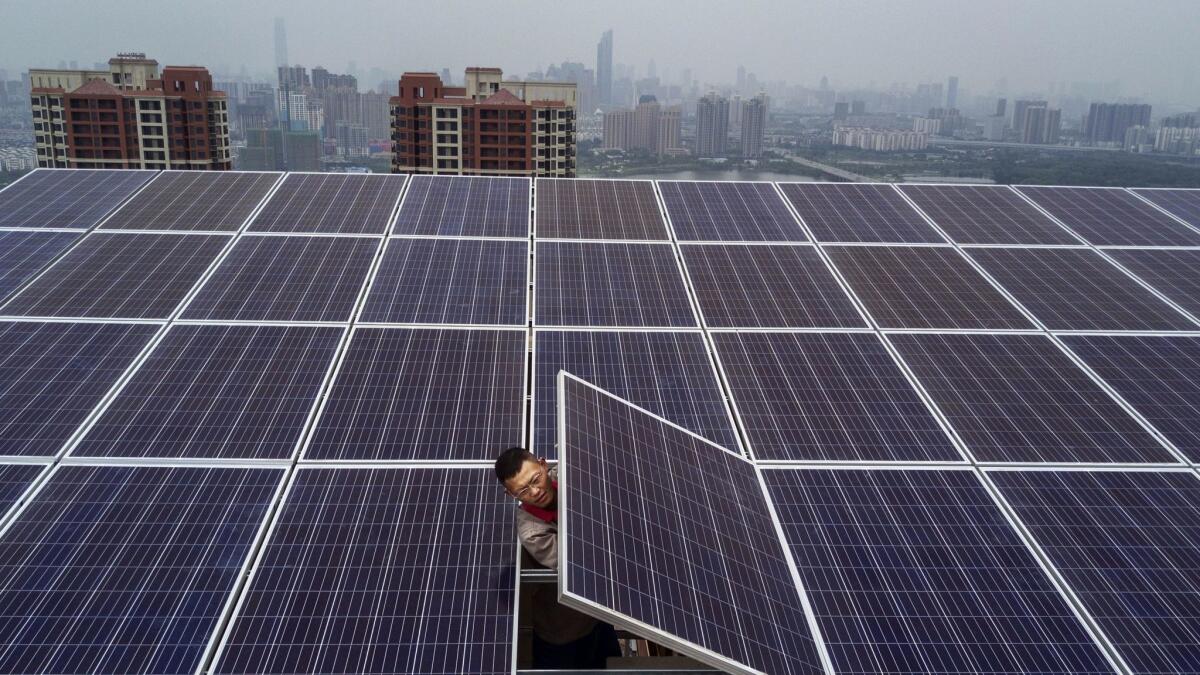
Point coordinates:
[(932, 375)]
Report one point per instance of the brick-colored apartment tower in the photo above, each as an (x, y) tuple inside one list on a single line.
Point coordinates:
[(130, 117), (489, 127)]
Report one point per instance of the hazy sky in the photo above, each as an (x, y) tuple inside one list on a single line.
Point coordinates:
[(1151, 46)]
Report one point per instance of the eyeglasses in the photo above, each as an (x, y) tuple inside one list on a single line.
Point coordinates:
[(533, 482)]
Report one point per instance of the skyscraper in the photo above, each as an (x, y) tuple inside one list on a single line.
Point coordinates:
[(1108, 122), (952, 92), (604, 71), (712, 125), (754, 123), (1041, 125), (1019, 108), (281, 55)]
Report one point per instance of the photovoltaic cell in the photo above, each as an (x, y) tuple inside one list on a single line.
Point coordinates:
[(215, 201), (424, 394), (72, 198), (286, 279), (986, 214), (1077, 289), (609, 284), (466, 206), (1173, 272), (728, 211), (14, 480), (1184, 204), (382, 571), (1128, 544), (923, 287), (24, 254), (53, 374), (119, 275), (217, 392), (661, 527), (1019, 398), (853, 212), (335, 203), (1159, 376), (1111, 216), (450, 281), (121, 569), (827, 396), (767, 286), (597, 209), (669, 374), (919, 571)]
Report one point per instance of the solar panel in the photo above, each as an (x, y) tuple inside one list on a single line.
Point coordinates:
[(76, 198), (923, 287), (465, 206), (214, 201), (919, 571), (14, 480), (767, 286), (1128, 544), (298, 278), (1158, 375), (119, 275), (827, 396), (53, 374), (728, 211), (336, 203), (122, 569), (667, 373), (1173, 272), (1019, 398), (853, 212), (425, 394), (451, 281), (1111, 216), (1184, 204), (609, 284), (24, 254), (986, 214), (664, 533), (1077, 289), (217, 392), (382, 571), (597, 209)]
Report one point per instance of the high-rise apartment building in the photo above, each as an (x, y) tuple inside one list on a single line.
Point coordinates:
[(279, 150), (754, 124), (952, 92), (649, 127), (618, 129), (604, 69), (670, 122), (1108, 122), (293, 78), (645, 123), (1042, 125), (130, 117), (488, 127), (1019, 108), (712, 125)]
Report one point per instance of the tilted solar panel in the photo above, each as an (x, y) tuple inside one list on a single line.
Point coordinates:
[(335, 203), (465, 206), (1183, 204), (827, 396), (920, 572), (450, 281), (424, 394), (728, 211), (217, 392), (671, 536), (15, 479), (52, 375), (986, 214), (597, 209), (213, 201), (123, 569), (23, 254), (1111, 216), (382, 571), (71, 198), (267, 278), (119, 275), (1019, 398), (1128, 544), (850, 212), (667, 373), (1173, 272)]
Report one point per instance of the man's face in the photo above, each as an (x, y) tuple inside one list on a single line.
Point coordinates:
[(531, 485)]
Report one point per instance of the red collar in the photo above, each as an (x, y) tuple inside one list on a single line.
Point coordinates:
[(548, 515)]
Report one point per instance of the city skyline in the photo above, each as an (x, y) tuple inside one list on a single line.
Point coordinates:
[(1031, 46)]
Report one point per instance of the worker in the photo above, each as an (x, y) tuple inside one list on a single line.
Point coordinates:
[(562, 637)]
